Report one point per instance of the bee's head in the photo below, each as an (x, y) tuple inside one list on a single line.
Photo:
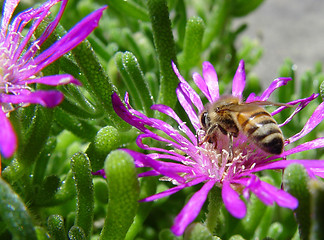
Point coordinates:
[(204, 120)]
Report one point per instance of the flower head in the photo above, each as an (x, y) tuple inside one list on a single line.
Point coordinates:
[(21, 62), (185, 162)]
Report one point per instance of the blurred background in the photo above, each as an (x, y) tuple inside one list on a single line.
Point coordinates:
[(289, 28)]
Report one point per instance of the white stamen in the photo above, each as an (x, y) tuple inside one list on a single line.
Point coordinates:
[(253, 165)]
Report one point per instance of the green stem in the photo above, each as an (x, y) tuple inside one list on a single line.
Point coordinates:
[(136, 75), (56, 227), (14, 213), (214, 205), (165, 47), (100, 84), (81, 170), (295, 181), (123, 195), (148, 188), (193, 43)]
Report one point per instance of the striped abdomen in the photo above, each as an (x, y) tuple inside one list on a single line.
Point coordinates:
[(260, 127)]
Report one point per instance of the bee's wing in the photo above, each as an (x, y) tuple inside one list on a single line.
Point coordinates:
[(251, 106), (240, 107), (267, 103)]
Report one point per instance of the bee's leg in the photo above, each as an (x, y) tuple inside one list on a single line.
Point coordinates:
[(230, 146), (208, 135)]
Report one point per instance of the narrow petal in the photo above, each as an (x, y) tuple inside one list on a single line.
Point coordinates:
[(254, 184), (173, 190), (149, 173), (185, 103), (49, 98), (282, 164), (301, 106), (36, 16), (173, 154), (164, 168), (182, 125), (178, 140), (210, 77), (8, 10), (191, 209), (312, 122), (187, 89), (50, 28), (232, 201), (201, 84), (69, 41), (239, 81), (269, 194), (8, 139), (252, 98), (282, 198), (124, 113), (54, 80), (278, 82), (192, 95), (100, 172), (302, 103), (178, 158)]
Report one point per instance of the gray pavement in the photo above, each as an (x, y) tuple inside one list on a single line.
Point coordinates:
[(287, 28)]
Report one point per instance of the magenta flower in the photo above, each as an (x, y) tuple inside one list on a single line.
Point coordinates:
[(188, 163), (21, 62)]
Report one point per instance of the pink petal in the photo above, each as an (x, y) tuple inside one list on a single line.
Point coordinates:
[(312, 122), (164, 168), (187, 89), (192, 95), (210, 77), (252, 97), (8, 139), (170, 112), (282, 198), (302, 103), (189, 148), (50, 28), (173, 190), (8, 10), (186, 105), (239, 81), (100, 172), (278, 82), (37, 15), (149, 173), (282, 164), (178, 158), (269, 194), (201, 84), (49, 98), (54, 80), (191, 209), (232, 201), (69, 41), (124, 113)]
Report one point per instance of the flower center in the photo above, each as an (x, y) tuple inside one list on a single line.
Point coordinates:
[(220, 163), (12, 68)]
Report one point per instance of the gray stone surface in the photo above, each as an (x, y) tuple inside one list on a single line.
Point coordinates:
[(287, 28)]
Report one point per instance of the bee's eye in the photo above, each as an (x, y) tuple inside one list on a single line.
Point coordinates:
[(204, 120)]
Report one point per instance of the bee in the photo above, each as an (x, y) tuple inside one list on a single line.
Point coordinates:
[(230, 116)]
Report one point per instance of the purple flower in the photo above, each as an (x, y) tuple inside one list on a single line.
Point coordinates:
[(185, 163), (21, 62)]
